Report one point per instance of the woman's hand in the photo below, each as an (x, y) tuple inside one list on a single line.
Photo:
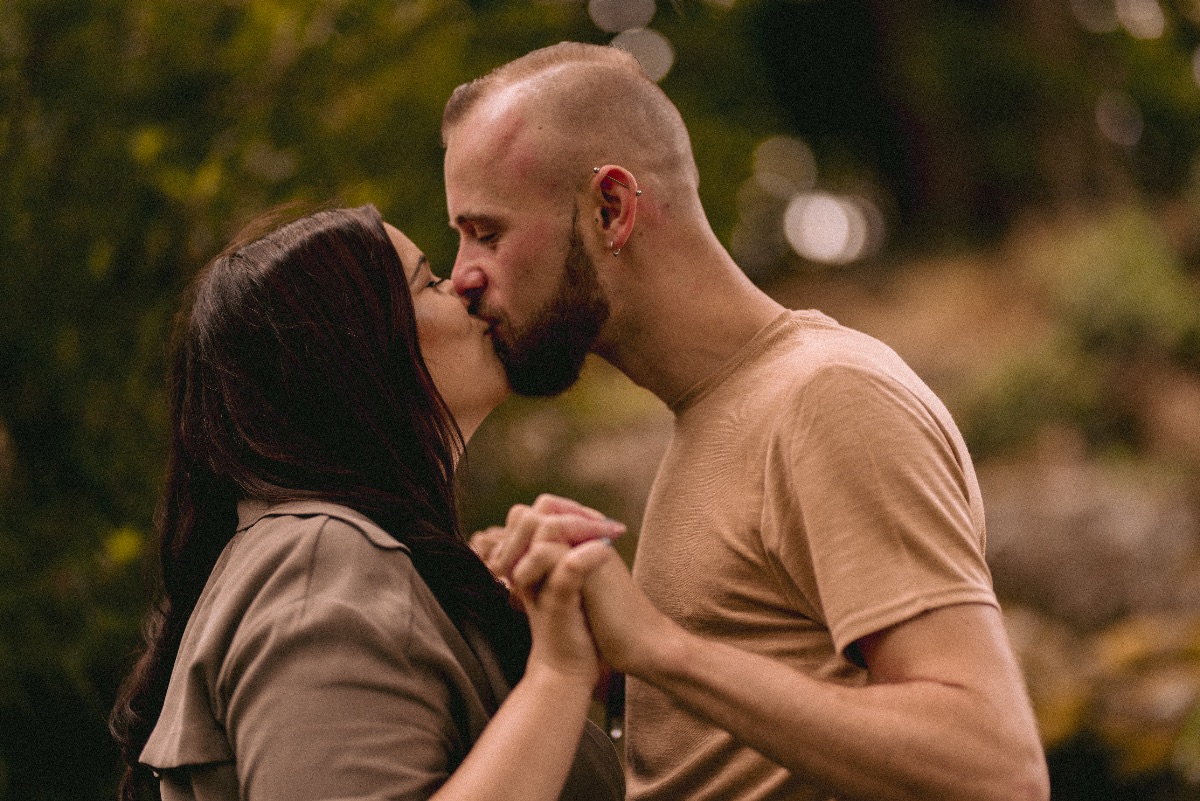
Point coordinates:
[(548, 581), (527, 749), (551, 518)]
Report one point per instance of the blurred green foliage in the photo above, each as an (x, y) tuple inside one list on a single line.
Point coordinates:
[(1124, 308), (136, 136)]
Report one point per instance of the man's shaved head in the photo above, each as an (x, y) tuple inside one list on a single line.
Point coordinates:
[(577, 106)]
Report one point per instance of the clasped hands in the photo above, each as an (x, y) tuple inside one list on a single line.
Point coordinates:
[(557, 560)]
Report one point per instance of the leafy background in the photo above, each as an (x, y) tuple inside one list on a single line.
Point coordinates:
[(1032, 165)]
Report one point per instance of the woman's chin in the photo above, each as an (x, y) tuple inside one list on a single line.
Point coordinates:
[(469, 422)]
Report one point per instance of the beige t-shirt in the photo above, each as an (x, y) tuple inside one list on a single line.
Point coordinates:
[(319, 665), (814, 491)]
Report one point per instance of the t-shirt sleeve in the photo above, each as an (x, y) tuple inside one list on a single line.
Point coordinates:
[(338, 693), (883, 520)]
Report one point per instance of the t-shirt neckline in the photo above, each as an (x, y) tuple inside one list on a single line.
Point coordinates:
[(756, 345)]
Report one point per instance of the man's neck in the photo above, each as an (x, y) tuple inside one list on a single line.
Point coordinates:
[(681, 327)]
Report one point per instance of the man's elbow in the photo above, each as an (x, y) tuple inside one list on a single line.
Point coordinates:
[(1012, 772), (1025, 779), (1035, 784)]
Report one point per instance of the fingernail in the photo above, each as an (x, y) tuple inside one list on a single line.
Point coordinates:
[(606, 541)]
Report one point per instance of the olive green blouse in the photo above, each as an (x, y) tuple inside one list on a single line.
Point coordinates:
[(319, 665)]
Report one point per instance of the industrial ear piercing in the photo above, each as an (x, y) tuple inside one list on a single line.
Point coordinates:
[(637, 192)]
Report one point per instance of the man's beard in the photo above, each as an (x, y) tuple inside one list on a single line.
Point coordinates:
[(546, 357)]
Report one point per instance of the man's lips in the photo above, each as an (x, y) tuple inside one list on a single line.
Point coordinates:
[(473, 309), (489, 325)]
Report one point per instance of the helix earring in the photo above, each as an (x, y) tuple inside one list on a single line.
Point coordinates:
[(637, 192)]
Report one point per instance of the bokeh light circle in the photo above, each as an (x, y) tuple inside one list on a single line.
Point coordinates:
[(1119, 119), (652, 50), (785, 165), (825, 228), (1144, 19), (621, 15), (1097, 16)]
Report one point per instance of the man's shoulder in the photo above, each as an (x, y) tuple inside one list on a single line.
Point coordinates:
[(817, 339), (811, 344)]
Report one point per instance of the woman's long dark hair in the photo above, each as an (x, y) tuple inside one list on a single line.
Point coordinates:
[(295, 373)]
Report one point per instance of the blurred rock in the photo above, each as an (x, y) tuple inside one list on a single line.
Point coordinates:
[(1087, 542)]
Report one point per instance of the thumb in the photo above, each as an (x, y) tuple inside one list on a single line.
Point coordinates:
[(568, 575), (588, 556), (573, 569)]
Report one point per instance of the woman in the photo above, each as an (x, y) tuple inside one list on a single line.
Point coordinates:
[(322, 630)]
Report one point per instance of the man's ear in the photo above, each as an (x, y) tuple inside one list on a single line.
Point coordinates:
[(615, 191)]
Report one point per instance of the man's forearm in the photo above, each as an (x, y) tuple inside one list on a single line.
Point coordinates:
[(916, 740), (948, 721)]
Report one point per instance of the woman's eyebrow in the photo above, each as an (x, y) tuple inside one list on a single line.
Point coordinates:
[(421, 262)]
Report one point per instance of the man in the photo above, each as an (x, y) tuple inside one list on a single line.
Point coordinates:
[(815, 616)]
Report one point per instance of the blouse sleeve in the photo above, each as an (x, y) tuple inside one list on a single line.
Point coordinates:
[(344, 689)]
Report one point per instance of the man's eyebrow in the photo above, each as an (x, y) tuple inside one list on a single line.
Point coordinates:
[(473, 218)]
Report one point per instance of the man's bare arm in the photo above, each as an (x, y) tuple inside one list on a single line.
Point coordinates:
[(944, 717)]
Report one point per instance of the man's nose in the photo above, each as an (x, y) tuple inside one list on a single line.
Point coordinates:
[(468, 280)]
